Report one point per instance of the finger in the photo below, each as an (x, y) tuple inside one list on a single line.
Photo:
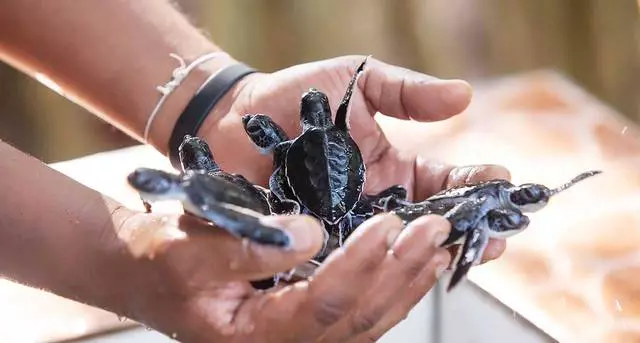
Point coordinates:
[(432, 177), (459, 176), (339, 282), (408, 94), (413, 293), (414, 248), (212, 252)]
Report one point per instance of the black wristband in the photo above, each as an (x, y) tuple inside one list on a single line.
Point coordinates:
[(201, 105)]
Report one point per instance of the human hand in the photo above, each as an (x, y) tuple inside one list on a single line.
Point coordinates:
[(195, 288), (383, 88)]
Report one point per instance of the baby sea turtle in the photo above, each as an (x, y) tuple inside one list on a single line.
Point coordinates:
[(322, 169), (227, 200), (479, 212), (196, 155)]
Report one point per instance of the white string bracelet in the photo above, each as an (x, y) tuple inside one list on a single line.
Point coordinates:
[(178, 75)]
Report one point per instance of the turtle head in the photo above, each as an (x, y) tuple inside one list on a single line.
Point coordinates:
[(263, 132), (532, 197), (315, 110), (195, 155), (153, 184)]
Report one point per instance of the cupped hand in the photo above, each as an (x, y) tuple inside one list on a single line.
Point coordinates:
[(382, 88), (195, 284)]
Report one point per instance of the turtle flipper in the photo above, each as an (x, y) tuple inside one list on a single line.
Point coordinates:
[(470, 253), (283, 206), (389, 199), (244, 223), (465, 217), (195, 154), (342, 114), (263, 132), (279, 186), (506, 222)]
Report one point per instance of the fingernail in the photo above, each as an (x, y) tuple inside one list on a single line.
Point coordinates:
[(305, 232)]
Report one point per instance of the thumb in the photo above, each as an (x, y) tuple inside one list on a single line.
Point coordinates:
[(256, 261), (407, 94)]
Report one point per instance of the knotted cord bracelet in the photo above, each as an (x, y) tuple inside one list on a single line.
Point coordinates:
[(205, 99), (178, 75)]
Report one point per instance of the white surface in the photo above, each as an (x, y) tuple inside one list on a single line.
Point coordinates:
[(468, 315)]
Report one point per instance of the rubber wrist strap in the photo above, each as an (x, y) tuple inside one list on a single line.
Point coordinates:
[(201, 105)]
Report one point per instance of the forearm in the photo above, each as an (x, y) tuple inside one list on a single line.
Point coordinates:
[(61, 236), (109, 56)]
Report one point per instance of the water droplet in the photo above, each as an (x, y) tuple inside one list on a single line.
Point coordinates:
[(147, 328), (624, 130), (122, 319), (174, 335)]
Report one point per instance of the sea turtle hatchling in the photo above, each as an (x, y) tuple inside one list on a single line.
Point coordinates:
[(195, 154), (491, 209), (322, 168), (227, 200), (477, 212)]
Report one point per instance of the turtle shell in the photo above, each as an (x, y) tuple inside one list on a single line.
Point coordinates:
[(326, 172), (204, 188)]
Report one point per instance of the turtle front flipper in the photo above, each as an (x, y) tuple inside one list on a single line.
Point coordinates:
[(506, 222), (243, 223), (465, 217), (342, 113), (195, 154), (470, 254), (283, 206), (263, 132)]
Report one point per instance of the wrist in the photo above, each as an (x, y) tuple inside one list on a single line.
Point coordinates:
[(167, 116)]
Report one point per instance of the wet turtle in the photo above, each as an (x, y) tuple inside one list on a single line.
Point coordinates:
[(195, 154), (227, 200), (322, 169), (479, 212)]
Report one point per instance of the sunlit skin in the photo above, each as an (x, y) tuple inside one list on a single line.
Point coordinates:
[(176, 275)]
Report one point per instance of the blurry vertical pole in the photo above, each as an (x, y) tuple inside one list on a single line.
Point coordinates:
[(617, 59), (400, 30), (590, 40)]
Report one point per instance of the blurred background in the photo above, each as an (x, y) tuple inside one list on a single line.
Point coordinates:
[(594, 42)]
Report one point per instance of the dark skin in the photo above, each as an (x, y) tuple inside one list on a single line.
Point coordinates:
[(196, 285)]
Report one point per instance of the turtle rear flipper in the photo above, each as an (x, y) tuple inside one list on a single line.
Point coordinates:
[(342, 113), (244, 223)]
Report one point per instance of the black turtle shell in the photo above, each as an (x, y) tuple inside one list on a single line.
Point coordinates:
[(325, 171)]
